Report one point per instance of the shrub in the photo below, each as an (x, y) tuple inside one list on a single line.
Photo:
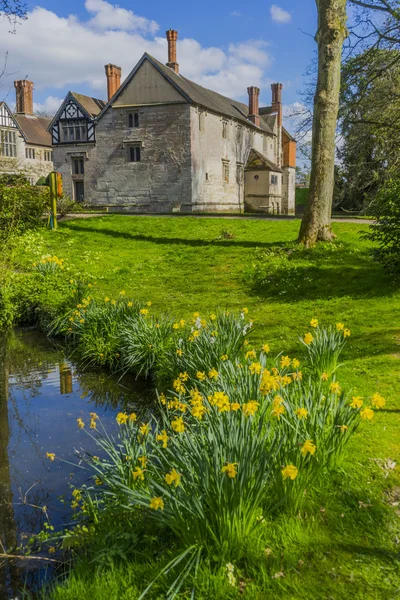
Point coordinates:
[(21, 205), (385, 231)]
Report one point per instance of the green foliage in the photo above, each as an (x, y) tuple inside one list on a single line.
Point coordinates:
[(65, 205), (21, 205), (301, 196), (385, 230)]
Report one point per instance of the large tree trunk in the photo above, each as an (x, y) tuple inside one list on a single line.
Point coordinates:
[(331, 33)]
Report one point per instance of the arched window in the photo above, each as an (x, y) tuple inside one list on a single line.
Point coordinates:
[(136, 119), (130, 120)]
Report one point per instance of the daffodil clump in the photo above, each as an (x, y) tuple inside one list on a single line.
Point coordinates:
[(234, 440), (324, 345), (48, 264)]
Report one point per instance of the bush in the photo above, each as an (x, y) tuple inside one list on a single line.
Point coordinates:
[(21, 205), (65, 205), (385, 231)]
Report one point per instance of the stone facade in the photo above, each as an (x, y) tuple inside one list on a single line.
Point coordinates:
[(164, 144)]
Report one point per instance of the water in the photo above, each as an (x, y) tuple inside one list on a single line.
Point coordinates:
[(42, 393)]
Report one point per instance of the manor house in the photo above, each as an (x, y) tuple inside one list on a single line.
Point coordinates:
[(25, 143), (162, 143)]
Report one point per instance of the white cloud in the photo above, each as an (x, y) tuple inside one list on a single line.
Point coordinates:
[(279, 15), (71, 53), (109, 16), (235, 13), (49, 107)]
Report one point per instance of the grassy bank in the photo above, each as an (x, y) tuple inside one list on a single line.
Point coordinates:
[(345, 543)]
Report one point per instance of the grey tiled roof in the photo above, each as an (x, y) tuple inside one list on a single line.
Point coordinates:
[(92, 105), (196, 94), (34, 129)]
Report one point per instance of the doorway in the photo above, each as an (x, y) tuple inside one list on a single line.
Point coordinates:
[(79, 191)]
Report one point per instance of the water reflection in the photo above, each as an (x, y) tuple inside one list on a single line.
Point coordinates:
[(42, 393)]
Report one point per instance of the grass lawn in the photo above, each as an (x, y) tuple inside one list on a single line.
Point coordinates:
[(348, 544)]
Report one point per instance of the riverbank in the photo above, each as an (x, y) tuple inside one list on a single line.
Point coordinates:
[(195, 265)]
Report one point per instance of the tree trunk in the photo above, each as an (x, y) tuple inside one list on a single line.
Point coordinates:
[(331, 33)]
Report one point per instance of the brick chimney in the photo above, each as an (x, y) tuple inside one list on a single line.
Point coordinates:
[(172, 36), (277, 100), (254, 114), (24, 96), (113, 74)]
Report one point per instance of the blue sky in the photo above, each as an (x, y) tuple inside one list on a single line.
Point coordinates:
[(222, 45)]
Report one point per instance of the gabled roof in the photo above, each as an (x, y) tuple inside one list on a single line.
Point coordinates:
[(289, 135), (34, 129), (258, 162), (194, 94), (90, 106)]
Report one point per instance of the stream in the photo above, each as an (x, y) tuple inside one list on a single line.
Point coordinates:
[(42, 393)]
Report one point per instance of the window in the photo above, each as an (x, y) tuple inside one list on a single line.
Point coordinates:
[(30, 152), (224, 129), (48, 155), (206, 176), (201, 120), (240, 134), (133, 119), (225, 170), (8, 143), (134, 154), (78, 166), (74, 130), (274, 179), (265, 143)]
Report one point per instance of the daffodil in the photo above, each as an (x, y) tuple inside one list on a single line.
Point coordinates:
[(250, 408), (378, 401), (290, 472), (314, 322), (367, 414), (144, 429), (213, 374), (81, 424), (163, 437), (156, 503), (173, 478), (334, 387), (301, 413), (356, 402), (265, 348), (230, 469), (122, 418), (255, 368), (308, 339), (51, 456), (308, 448), (138, 473), (178, 425), (285, 361), (144, 311)]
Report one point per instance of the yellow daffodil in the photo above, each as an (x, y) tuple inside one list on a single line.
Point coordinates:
[(156, 503), (98, 481), (178, 425), (301, 413), (314, 322), (235, 406), (198, 411), (334, 387), (250, 408), (213, 374), (133, 417), (295, 363), (343, 428), (308, 448), (179, 352), (93, 424), (285, 361), (144, 311), (138, 473), (290, 472), (378, 401), (163, 437), (230, 470), (265, 348), (224, 357), (250, 354), (339, 326), (51, 456), (81, 424), (184, 376), (130, 304), (144, 429), (277, 411), (255, 368), (122, 293), (173, 478), (122, 418), (201, 375), (367, 414), (346, 333), (356, 402), (324, 377), (308, 339)]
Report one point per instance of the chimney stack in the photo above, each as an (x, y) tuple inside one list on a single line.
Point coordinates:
[(24, 96), (172, 36), (254, 114), (113, 74), (277, 100)]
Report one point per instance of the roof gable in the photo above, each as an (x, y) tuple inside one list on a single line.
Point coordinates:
[(258, 162), (193, 93), (147, 86), (34, 129), (77, 106)]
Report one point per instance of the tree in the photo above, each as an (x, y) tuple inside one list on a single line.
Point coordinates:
[(14, 10), (331, 33), (369, 124)]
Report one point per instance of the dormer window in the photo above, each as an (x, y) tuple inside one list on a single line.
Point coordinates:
[(133, 119)]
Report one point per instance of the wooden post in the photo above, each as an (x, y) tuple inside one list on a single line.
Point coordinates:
[(55, 192)]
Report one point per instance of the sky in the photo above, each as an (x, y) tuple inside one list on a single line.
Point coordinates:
[(224, 45)]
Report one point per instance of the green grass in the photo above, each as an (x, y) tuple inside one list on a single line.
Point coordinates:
[(348, 540)]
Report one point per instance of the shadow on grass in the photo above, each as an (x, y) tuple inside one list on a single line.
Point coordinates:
[(374, 552), (167, 241)]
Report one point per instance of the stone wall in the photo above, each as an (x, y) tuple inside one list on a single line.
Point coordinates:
[(289, 191), (212, 154), (62, 160), (161, 181)]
